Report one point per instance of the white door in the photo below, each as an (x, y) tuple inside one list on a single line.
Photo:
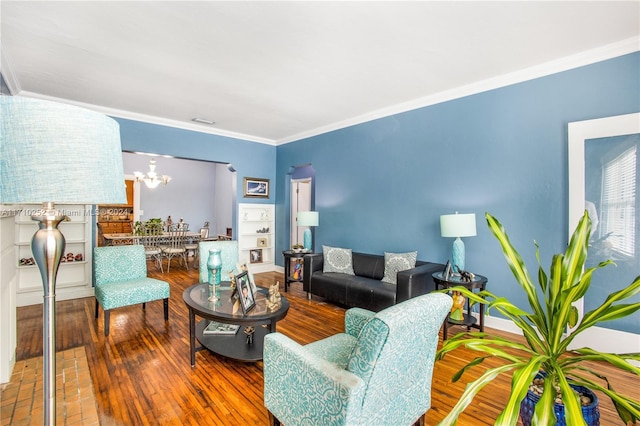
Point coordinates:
[(300, 202)]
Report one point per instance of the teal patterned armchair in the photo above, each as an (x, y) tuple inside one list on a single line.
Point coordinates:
[(376, 373), (121, 280), (228, 253)]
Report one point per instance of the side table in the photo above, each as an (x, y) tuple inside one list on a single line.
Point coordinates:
[(288, 256), (479, 282)]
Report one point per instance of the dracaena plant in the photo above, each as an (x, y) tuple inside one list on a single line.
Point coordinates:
[(544, 326)]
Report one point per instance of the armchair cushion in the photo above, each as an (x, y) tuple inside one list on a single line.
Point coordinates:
[(131, 292), (336, 349), (119, 263)]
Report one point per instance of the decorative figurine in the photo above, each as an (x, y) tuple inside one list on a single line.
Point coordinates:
[(458, 305), (466, 276), (297, 270), (273, 302), (248, 331)]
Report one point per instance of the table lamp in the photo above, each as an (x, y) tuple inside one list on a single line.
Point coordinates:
[(56, 153), (458, 225), (307, 219)]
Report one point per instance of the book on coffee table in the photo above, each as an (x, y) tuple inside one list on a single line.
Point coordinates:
[(215, 327)]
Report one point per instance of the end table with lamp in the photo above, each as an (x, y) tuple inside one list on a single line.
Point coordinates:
[(478, 282)]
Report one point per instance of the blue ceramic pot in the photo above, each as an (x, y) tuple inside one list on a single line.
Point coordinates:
[(590, 413)]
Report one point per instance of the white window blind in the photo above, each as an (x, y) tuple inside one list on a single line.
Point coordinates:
[(619, 203)]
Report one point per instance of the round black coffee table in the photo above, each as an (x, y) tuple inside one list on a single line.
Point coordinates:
[(228, 311)]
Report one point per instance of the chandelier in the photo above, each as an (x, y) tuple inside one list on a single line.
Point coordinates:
[(151, 179)]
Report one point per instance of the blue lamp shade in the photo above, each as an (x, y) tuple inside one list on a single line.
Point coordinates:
[(52, 152), (307, 219), (458, 225)]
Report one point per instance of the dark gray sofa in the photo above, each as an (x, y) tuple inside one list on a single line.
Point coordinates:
[(365, 289)]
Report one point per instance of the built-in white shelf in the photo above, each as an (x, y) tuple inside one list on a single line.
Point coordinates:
[(256, 230), (74, 278)]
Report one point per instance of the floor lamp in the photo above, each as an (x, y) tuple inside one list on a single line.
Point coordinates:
[(55, 153)]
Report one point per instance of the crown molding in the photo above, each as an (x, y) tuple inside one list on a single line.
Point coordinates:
[(113, 112), (563, 64)]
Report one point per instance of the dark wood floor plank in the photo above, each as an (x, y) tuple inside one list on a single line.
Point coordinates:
[(142, 373)]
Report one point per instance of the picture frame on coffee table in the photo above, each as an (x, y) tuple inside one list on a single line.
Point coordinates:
[(247, 298)]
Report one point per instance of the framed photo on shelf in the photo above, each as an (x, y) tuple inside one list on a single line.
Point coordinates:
[(262, 242), (256, 187), (255, 256), (247, 300)]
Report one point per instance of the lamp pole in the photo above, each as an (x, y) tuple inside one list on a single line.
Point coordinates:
[(47, 246)]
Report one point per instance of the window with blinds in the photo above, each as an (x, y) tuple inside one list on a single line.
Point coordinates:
[(618, 206)]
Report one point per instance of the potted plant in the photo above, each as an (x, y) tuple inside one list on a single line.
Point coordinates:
[(544, 328)]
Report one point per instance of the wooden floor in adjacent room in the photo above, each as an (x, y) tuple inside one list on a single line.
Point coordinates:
[(142, 375)]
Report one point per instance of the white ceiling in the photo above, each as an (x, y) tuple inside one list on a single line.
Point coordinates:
[(277, 71)]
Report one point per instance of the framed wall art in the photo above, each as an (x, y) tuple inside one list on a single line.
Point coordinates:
[(256, 187)]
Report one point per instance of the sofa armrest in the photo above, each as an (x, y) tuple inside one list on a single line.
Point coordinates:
[(355, 319), (416, 281), (314, 382), (312, 263)]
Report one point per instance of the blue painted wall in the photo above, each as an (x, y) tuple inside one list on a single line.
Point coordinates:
[(382, 185)]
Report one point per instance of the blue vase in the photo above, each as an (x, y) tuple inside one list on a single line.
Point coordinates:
[(214, 266), (307, 239)]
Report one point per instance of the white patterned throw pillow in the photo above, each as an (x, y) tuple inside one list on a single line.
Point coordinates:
[(396, 262), (337, 260)]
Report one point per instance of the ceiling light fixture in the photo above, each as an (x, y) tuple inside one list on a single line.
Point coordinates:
[(203, 121), (151, 179)]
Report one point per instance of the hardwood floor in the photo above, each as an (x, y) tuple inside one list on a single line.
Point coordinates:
[(142, 374)]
